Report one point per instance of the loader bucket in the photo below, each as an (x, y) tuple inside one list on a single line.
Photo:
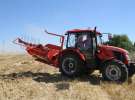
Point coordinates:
[(47, 54)]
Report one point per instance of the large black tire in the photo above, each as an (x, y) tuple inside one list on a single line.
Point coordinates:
[(71, 65), (115, 71)]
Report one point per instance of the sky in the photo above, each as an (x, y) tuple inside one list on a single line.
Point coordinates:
[(29, 19)]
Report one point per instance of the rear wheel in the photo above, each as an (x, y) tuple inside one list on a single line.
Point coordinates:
[(115, 70), (71, 65)]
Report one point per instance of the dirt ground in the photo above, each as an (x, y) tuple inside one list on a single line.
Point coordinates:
[(22, 78)]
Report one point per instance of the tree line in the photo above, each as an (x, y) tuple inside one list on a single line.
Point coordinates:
[(121, 41)]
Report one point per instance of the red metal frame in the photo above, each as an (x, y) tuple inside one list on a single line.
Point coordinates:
[(83, 30), (48, 53)]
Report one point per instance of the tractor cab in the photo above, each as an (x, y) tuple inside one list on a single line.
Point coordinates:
[(85, 41)]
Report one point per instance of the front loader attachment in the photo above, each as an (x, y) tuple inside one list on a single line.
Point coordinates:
[(45, 53)]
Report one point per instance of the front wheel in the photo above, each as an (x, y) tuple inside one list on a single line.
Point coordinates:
[(115, 70)]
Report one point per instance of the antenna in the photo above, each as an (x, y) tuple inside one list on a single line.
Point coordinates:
[(95, 28)]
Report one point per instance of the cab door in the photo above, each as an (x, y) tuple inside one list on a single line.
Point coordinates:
[(87, 44)]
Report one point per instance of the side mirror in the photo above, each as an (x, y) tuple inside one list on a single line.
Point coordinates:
[(110, 36)]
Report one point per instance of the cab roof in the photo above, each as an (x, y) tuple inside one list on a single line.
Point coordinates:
[(74, 31)]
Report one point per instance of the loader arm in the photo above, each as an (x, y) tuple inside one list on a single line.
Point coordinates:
[(22, 43), (61, 38)]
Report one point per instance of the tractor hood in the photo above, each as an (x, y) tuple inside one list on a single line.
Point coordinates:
[(113, 48)]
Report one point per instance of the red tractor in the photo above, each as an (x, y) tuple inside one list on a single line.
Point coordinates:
[(83, 54)]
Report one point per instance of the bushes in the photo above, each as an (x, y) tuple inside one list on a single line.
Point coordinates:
[(121, 41)]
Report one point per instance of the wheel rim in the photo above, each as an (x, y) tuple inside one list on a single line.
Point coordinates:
[(69, 65), (113, 72)]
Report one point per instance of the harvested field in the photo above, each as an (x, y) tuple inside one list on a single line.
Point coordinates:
[(22, 78)]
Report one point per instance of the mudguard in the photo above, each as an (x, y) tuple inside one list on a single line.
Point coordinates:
[(73, 51)]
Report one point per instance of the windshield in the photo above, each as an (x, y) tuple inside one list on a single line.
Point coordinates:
[(72, 40), (99, 40)]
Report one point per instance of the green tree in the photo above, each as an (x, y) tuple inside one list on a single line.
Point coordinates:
[(121, 41)]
